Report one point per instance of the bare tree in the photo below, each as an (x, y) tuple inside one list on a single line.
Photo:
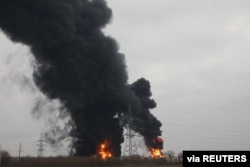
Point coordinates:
[(5, 158), (180, 156), (171, 155)]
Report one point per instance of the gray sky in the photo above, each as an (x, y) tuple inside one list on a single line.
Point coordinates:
[(195, 54)]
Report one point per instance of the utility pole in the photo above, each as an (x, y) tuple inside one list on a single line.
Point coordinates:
[(19, 151), (41, 146)]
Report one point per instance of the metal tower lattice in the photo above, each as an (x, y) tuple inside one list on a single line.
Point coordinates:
[(130, 148), (41, 146)]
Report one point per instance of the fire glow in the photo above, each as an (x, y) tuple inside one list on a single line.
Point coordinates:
[(157, 147), (104, 151), (156, 153)]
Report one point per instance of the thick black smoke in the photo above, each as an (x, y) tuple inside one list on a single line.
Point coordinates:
[(146, 124), (80, 66)]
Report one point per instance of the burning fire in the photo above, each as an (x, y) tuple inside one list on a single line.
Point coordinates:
[(104, 151), (156, 153), (156, 149)]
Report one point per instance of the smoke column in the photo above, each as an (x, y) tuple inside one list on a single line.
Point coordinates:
[(146, 124), (80, 66)]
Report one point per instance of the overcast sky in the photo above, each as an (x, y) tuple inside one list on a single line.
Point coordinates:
[(196, 55)]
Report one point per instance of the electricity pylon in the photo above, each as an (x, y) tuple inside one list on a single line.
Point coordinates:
[(41, 146), (130, 148)]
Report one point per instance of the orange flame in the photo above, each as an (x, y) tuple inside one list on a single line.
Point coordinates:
[(104, 151), (156, 153)]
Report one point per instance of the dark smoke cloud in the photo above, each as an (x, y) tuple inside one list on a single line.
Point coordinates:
[(77, 64), (146, 124)]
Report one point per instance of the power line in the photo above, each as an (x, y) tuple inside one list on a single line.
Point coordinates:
[(233, 129)]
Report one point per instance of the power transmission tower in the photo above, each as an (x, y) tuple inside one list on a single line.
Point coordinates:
[(19, 151), (130, 148), (72, 151), (41, 146)]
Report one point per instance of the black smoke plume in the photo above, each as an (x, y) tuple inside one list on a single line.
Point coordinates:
[(146, 124), (77, 64)]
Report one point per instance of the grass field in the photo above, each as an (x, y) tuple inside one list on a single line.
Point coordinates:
[(91, 162)]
